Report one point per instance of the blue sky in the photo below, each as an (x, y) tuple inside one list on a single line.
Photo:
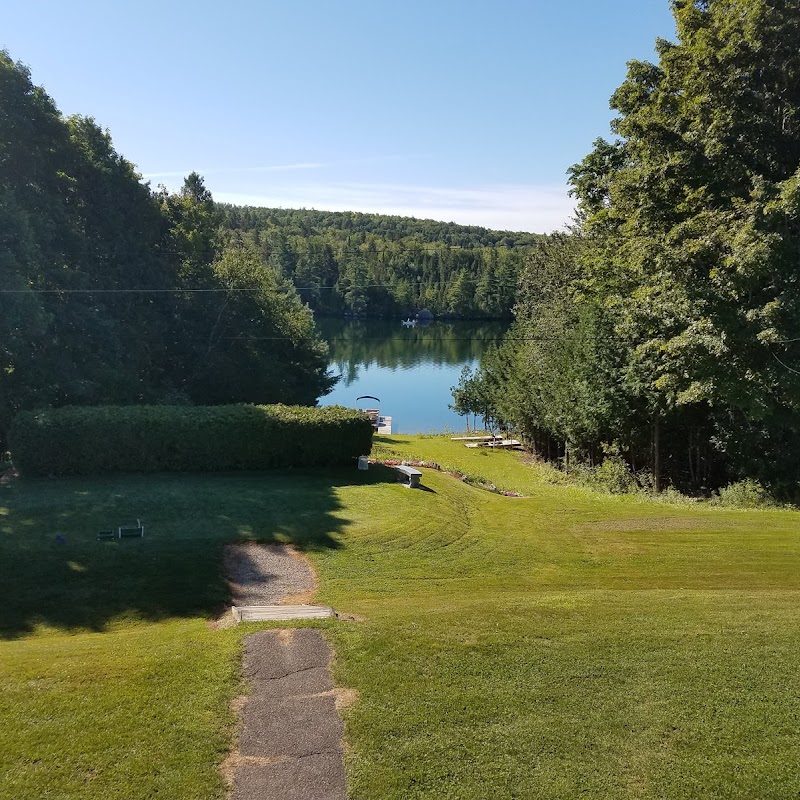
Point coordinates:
[(461, 111)]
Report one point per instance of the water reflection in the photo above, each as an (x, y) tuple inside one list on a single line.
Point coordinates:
[(389, 345), (410, 369)]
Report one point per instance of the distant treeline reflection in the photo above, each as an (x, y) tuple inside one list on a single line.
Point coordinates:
[(354, 343)]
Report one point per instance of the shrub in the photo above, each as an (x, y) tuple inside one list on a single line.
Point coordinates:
[(91, 440), (748, 493), (614, 475)]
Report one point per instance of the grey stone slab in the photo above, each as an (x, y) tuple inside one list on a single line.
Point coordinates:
[(296, 726), (275, 654), (290, 728), (317, 777)]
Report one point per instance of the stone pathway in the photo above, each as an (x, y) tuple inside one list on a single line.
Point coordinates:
[(290, 741)]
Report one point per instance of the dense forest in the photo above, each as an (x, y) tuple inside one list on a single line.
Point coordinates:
[(662, 338), (376, 265), (659, 339), (113, 293)]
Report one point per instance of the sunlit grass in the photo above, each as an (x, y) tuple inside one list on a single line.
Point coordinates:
[(567, 644)]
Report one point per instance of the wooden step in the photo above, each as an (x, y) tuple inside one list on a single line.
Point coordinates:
[(266, 613)]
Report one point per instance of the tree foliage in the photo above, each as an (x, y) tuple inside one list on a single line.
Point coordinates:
[(675, 330), (377, 265), (112, 293)]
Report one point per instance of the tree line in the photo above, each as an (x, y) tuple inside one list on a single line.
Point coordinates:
[(347, 263), (111, 292), (663, 333)]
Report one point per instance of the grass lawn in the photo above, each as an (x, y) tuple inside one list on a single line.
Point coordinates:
[(565, 645)]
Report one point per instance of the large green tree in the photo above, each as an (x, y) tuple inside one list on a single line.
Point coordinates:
[(692, 219), (670, 328), (110, 293)]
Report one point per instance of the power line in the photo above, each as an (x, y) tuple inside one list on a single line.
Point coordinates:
[(362, 250), (130, 291), (345, 287), (480, 340), (786, 366), (500, 336), (220, 290)]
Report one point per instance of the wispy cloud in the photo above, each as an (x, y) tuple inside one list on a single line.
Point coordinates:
[(519, 207), (303, 165), (234, 170)]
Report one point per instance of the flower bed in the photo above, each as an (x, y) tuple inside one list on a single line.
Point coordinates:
[(459, 476)]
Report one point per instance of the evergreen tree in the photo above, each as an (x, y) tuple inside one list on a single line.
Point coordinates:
[(669, 330)]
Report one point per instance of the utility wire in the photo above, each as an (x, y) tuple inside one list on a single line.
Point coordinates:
[(362, 250), (786, 366), (344, 340), (346, 287)]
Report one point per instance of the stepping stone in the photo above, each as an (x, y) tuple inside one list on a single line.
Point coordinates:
[(280, 654), (294, 727), (310, 681)]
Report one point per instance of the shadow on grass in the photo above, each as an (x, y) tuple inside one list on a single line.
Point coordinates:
[(54, 571)]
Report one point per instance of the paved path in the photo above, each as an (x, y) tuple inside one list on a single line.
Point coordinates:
[(290, 742)]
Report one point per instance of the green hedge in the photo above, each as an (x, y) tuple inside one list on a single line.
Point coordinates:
[(92, 440)]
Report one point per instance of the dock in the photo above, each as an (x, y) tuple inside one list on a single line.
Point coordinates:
[(473, 438), (381, 424), (508, 444)]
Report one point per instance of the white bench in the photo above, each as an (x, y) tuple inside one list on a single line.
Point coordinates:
[(409, 476)]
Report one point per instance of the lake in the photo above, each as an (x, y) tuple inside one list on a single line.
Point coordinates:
[(411, 370)]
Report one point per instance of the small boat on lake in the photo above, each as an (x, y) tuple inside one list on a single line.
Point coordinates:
[(409, 323)]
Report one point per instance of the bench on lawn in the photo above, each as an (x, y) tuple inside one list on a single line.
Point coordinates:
[(409, 476)]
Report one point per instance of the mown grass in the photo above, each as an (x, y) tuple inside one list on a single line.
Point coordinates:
[(570, 644), (114, 685)]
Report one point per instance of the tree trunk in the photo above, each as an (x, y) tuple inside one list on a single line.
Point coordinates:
[(656, 456)]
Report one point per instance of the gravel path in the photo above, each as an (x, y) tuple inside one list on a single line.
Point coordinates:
[(267, 574)]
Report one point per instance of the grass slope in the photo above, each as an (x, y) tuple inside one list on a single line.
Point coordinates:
[(568, 644)]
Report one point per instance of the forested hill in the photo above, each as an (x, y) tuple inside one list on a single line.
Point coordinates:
[(305, 222), (373, 264)]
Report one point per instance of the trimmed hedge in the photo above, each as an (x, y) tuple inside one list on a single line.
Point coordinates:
[(99, 439)]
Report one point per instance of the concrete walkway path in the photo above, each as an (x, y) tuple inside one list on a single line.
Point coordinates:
[(290, 741)]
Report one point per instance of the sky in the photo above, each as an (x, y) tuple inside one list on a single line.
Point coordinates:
[(461, 111)]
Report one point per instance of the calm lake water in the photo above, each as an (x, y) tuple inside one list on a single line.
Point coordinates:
[(411, 370)]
